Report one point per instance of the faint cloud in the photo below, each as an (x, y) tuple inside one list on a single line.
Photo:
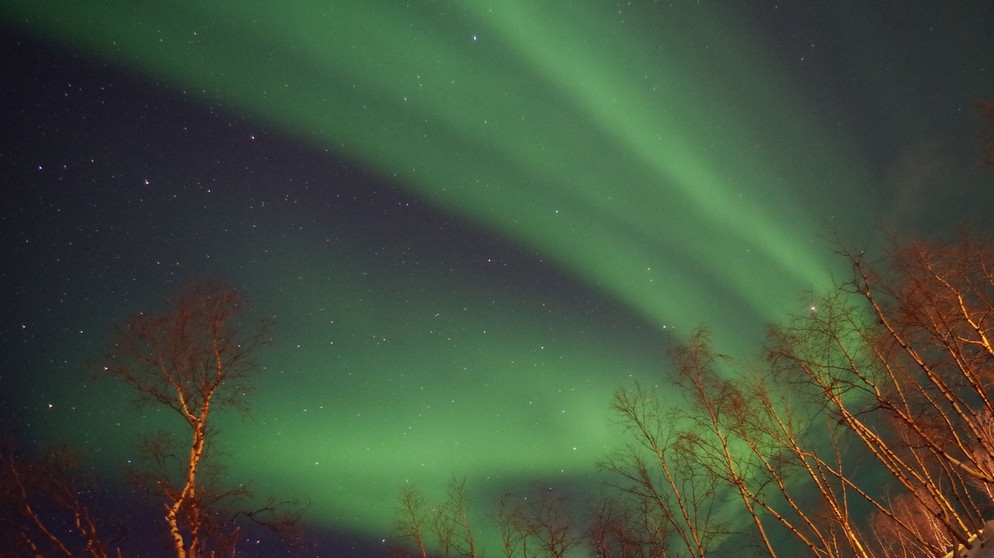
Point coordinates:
[(928, 189)]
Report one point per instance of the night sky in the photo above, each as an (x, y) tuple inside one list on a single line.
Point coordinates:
[(472, 221)]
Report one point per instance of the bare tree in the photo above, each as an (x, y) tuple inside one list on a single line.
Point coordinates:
[(903, 359), (551, 524), (911, 531), (411, 518), (513, 526), (716, 408), (444, 526), (456, 508), (653, 474), (43, 507), (888, 377), (537, 525), (738, 435), (617, 529), (194, 358), (800, 452)]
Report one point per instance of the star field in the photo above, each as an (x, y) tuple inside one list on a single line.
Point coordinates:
[(470, 222)]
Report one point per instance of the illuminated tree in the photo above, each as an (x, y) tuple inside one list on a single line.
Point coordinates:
[(733, 438), (905, 376), (867, 430), (193, 359), (672, 497), (903, 359), (44, 509), (911, 530)]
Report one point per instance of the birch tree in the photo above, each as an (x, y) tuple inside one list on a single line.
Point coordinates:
[(193, 359), (46, 506), (903, 357)]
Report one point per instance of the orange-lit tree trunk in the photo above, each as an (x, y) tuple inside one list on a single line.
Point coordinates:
[(742, 432), (186, 500), (830, 352), (909, 372), (714, 400), (901, 361), (190, 358)]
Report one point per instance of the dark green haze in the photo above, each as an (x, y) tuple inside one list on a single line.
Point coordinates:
[(622, 174)]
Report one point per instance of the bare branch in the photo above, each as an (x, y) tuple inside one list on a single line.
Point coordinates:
[(193, 358)]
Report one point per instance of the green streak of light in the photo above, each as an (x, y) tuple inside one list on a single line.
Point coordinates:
[(665, 177), (626, 161)]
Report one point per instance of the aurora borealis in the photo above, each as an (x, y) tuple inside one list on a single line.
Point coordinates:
[(472, 221)]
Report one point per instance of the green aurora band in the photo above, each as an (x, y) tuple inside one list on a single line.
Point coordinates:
[(662, 169)]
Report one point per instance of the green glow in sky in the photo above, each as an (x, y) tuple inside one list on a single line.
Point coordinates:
[(625, 160), (677, 172)]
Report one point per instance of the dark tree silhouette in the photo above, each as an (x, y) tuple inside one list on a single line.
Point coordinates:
[(617, 529), (441, 529), (542, 524)]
